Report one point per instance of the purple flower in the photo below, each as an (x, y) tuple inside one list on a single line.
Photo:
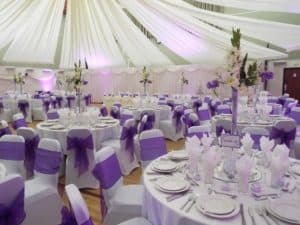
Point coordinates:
[(212, 84), (266, 75)]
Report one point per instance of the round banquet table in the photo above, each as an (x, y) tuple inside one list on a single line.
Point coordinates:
[(161, 212), (111, 130)]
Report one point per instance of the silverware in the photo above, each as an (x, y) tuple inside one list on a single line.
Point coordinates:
[(233, 196), (270, 216), (190, 206), (242, 214), (176, 196), (263, 215), (251, 214), (185, 204)]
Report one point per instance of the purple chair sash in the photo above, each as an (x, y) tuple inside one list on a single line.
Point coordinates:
[(149, 123), (127, 135), (152, 148), (69, 100), (285, 137), (68, 218), (177, 114), (23, 105), (115, 114), (1, 107), (47, 162), (59, 100), (196, 104), (12, 150), (30, 149), (14, 214), (219, 130), (80, 146), (203, 115), (213, 106), (46, 104), (125, 117), (5, 131), (52, 115), (19, 123), (88, 99), (103, 111)]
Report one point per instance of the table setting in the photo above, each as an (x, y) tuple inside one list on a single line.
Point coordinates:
[(207, 184)]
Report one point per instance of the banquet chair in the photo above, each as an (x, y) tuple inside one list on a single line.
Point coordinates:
[(136, 221), (196, 104), (204, 114), (38, 112), (118, 202), (24, 107), (19, 121), (223, 109), (223, 125), (198, 130), (5, 128), (173, 128), (207, 99), (115, 112), (147, 120), (213, 105), (80, 158), (284, 132), (12, 200), (5, 112), (256, 133), (103, 110), (32, 139), (42, 199), (125, 115), (125, 147), (78, 214), (12, 153), (52, 115), (152, 146), (189, 120)]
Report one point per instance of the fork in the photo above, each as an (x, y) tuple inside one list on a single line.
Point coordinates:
[(263, 215)]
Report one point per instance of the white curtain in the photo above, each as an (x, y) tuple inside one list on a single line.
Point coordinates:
[(36, 40), (289, 6), (266, 31), (88, 35)]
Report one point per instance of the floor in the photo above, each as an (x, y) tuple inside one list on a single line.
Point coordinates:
[(91, 196)]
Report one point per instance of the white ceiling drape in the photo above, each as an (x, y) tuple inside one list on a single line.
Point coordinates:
[(36, 40), (289, 6), (260, 29)]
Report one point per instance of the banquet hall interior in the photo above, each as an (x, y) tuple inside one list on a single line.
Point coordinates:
[(149, 112)]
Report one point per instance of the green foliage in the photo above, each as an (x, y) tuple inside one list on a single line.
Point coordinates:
[(236, 38)]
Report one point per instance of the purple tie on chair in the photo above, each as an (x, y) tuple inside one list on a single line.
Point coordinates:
[(219, 130), (127, 135), (13, 214), (281, 100), (149, 123), (152, 148), (68, 218), (285, 137), (107, 172), (115, 113), (52, 115), (59, 100), (47, 162), (19, 123), (12, 150), (80, 146), (177, 114), (30, 149), (23, 106), (103, 111), (196, 104), (46, 104), (69, 100), (204, 115)]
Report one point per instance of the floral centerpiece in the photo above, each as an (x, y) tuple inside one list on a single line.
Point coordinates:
[(19, 79), (145, 79), (183, 81)]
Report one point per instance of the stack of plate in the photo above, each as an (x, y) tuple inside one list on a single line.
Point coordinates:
[(287, 211), (217, 206), (178, 155), (57, 127), (172, 185), (163, 166)]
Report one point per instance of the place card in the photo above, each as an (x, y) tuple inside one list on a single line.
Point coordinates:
[(231, 141)]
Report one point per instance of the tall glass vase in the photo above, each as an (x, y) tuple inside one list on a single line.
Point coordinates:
[(234, 97)]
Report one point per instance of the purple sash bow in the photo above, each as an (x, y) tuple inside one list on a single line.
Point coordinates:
[(149, 123), (177, 114), (30, 149), (47, 162), (127, 135), (12, 150), (23, 106), (46, 104), (69, 100), (281, 100), (14, 214), (197, 104), (19, 123), (285, 137), (115, 113), (80, 146), (59, 101), (68, 218), (1, 107), (219, 130), (103, 111), (4, 131)]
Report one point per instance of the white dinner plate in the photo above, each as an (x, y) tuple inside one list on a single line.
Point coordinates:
[(172, 185), (217, 206), (288, 211), (178, 155), (47, 124), (57, 127), (164, 166)]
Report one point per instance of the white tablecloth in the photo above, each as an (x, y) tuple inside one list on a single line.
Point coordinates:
[(160, 212)]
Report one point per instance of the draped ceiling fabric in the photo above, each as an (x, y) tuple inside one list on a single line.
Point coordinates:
[(289, 6), (113, 33)]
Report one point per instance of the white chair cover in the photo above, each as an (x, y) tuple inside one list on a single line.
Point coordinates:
[(38, 112)]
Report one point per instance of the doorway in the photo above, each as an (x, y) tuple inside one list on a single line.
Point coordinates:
[(291, 82)]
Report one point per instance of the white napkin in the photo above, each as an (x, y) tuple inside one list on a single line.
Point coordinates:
[(247, 143), (194, 150), (244, 167), (211, 158), (206, 141), (266, 146)]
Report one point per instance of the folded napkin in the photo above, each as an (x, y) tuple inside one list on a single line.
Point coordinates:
[(211, 159), (247, 143), (266, 146), (194, 150), (206, 141), (244, 166)]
